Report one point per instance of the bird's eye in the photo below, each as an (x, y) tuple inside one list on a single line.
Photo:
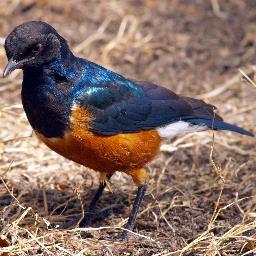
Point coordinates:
[(36, 48), (32, 50)]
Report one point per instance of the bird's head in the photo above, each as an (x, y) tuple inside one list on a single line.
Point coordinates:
[(32, 45)]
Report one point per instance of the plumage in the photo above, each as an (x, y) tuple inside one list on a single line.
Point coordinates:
[(120, 152), (94, 116), (179, 128)]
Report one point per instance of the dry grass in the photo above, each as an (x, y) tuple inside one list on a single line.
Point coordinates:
[(201, 197)]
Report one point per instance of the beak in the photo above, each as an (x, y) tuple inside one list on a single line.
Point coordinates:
[(11, 66)]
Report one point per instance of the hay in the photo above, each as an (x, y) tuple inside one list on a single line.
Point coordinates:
[(201, 196)]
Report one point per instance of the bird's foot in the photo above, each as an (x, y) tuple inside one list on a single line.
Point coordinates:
[(91, 217), (84, 222), (87, 220), (125, 236), (65, 224), (128, 235)]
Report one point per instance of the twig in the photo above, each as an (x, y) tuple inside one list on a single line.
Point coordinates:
[(9, 191), (2, 40), (221, 88), (247, 77), (216, 9)]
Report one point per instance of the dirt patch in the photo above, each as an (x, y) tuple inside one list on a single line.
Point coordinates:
[(196, 204)]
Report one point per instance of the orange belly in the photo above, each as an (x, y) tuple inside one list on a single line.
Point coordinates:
[(122, 152)]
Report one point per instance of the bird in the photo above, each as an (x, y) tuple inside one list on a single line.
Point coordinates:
[(96, 117)]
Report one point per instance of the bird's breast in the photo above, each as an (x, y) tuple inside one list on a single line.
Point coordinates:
[(47, 107), (121, 152)]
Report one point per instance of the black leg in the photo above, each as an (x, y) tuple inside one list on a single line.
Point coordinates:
[(135, 208), (89, 213)]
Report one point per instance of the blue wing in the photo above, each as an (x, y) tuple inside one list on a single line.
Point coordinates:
[(120, 105), (117, 109)]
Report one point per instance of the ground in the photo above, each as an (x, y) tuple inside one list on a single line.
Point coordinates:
[(201, 196)]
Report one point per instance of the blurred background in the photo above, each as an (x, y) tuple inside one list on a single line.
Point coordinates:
[(199, 202)]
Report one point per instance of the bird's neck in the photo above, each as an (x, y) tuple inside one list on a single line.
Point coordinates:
[(65, 65), (46, 95)]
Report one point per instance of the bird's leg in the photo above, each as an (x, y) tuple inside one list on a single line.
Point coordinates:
[(135, 208), (140, 178), (89, 212)]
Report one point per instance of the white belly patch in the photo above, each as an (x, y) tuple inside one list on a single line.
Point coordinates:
[(179, 128)]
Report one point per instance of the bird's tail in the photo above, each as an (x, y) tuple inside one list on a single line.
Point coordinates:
[(219, 125)]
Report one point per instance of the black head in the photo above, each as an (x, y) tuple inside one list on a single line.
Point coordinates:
[(31, 45)]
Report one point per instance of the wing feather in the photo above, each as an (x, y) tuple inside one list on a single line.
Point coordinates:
[(118, 110)]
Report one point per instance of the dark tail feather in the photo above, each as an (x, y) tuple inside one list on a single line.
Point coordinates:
[(219, 125)]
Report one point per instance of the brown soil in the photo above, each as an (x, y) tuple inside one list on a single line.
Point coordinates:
[(197, 203)]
